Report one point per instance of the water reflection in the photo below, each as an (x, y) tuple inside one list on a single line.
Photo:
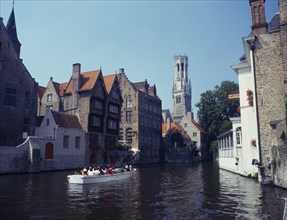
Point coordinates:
[(199, 191)]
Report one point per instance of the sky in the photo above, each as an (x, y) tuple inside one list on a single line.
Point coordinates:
[(140, 36)]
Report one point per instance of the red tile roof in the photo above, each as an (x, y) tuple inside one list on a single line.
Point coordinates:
[(109, 80), (62, 88), (89, 80)]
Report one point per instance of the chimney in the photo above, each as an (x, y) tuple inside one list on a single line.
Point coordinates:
[(51, 78), (76, 77), (259, 25), (121, 70)]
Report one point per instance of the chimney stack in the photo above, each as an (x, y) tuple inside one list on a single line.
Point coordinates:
[(259, 25), (76, 77)]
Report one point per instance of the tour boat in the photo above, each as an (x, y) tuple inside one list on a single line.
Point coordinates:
[(85, 179)]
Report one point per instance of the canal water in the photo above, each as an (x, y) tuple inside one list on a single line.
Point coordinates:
[(199, 191)]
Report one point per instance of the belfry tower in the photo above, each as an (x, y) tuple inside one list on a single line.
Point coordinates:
[(181, 91)]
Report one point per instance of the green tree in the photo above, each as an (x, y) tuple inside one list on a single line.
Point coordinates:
[(215, 109)]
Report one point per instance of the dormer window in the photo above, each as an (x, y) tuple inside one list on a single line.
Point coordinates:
[(47, 122), (49, 97)]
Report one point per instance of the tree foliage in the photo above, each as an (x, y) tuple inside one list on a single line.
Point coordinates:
[(215, 109)]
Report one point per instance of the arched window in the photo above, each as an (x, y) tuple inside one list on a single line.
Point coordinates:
[(129, 135), (49, 151), (177, 67), (238, 133)]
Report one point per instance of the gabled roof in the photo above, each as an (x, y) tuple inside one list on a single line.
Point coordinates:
[(57, 87), (41, 91), (66, 120), (89, 80), (109, 80), (197, 126), (62, 88)]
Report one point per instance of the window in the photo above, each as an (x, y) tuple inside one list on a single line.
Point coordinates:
[(66, 141), (185, 125), (238, 133), (129, 116), (182, 67), (77, 142), (98, 104), (177, 67), (178, 99), (95, 121), (27, 100), (10, 97), (113, 109), (129, 102), (194, 134), (47, 122), (112, 124), (49, 97), (121, 136), (129, 135)]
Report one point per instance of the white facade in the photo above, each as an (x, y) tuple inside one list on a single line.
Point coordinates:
[(245, 147), (68, 153)]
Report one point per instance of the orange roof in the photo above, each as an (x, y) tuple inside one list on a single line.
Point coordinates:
[(164, 128), (62, 88), (41, 91), (89, 80), (197, 126), (109, 80)]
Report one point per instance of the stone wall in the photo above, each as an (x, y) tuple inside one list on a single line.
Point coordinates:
[(270, 92), (13, 160)]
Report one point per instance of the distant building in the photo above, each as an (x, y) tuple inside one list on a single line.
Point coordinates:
[(181, 91), (140, 128), (18, 90), (182, 111)]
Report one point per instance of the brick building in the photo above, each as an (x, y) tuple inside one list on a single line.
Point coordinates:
[(96, 100), (266, 53), (140, 127), (18, 90)]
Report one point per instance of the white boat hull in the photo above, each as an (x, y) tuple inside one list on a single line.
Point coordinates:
[(84, 179)]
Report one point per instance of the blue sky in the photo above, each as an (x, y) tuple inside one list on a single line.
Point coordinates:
[(141, 36)]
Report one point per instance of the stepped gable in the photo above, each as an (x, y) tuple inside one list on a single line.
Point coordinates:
[(66, 120), (109, 80), (89, 80)]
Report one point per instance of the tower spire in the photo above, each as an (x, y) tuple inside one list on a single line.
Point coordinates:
[(12, 31)]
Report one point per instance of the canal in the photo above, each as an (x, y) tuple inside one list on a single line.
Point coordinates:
[(199, 191)]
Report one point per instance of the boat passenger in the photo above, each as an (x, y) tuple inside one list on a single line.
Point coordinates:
[(96, 171), (84, 171), (90, 171), (101, 171), (109, 171)]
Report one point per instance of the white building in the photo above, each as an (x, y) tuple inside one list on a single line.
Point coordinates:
[(238, 149)]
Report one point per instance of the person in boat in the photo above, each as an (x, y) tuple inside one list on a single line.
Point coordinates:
[(109, 170), (90, 171), (84, 171), (96, 171), (101, 171)]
